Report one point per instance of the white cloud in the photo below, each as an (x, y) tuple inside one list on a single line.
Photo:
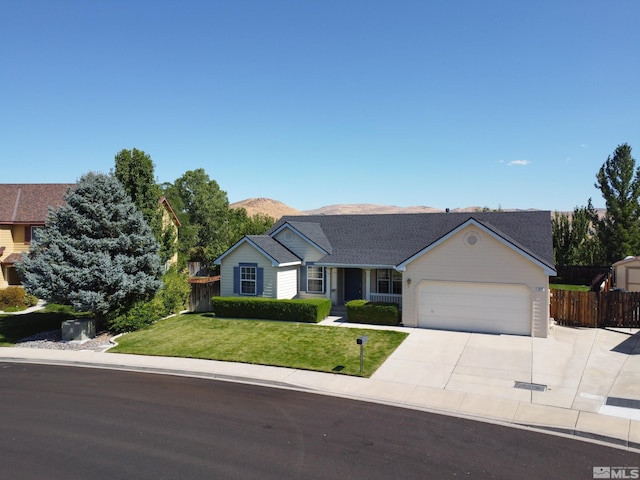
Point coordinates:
[(518, 162)]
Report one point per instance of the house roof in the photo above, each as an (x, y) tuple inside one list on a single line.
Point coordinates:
[(390, 239), (311, 231), (12, 258), (269, 247), (29, 202)]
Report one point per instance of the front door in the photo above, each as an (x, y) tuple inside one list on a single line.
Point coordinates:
[(352, 284)]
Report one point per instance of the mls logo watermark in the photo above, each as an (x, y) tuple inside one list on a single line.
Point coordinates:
[(616, 472)]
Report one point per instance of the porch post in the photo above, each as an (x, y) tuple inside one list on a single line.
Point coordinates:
[(334, 285), (367, 284)]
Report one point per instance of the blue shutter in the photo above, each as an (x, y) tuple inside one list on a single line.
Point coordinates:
[(260, 282), (303, 278), (324, 280), (236, 279)]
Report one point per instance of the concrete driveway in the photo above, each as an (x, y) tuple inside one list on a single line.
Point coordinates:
[(578, 380)]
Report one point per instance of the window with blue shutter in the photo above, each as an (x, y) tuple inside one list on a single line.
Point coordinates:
[(248, 279)]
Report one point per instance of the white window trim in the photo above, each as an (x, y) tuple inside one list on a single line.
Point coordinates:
[(245, 273), (315, 278)]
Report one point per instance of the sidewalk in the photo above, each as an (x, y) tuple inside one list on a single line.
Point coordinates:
[(578, 382)]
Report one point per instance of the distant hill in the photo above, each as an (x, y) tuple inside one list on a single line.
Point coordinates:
[(369, 208), (276, 209), (266, 206)]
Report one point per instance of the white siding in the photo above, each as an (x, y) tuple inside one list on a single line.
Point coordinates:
[(245, 253), (488, 261), (299, 246), (287, 279)]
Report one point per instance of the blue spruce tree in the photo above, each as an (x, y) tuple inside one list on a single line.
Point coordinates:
[(95, 253)]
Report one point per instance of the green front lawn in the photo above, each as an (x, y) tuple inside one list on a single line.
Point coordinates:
[(284, 344), (575, 288)]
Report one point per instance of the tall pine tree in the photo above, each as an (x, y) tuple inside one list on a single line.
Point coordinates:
[(619, 181), (96, 252)]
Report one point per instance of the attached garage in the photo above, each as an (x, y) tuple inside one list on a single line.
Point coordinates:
[(474, 307)]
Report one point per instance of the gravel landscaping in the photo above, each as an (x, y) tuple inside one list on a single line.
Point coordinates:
[(53, 340)]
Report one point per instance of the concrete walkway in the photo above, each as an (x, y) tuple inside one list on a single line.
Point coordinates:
[(580, 382)]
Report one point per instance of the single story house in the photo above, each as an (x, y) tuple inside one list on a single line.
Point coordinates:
[(23, 210), (479, 271)]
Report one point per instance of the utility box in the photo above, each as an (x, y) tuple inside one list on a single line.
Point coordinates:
[(78, 330)]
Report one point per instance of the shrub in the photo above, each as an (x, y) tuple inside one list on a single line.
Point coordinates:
[(172, 298), (174, 293), (12, 298), (30, 300), (310, 310), (141, 315), (374, 313)]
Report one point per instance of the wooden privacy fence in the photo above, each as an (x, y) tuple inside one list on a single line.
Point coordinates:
[(202, 289), (596, 309)]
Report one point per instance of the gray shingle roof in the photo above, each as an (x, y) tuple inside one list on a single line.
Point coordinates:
[(274, 249), (388, 240), (313, 231)]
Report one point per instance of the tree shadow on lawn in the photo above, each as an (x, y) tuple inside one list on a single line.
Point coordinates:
[(14, 328)]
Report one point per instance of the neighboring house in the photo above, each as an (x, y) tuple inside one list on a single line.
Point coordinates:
[(170, 220), (627, 274), (481, 272), (23, 209)]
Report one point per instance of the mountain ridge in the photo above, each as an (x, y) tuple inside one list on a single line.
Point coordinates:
[(277, 209)]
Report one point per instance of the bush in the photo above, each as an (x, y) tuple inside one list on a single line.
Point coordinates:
[(12, 298), (374, 313), (141, 315), (172, 298), (174, 293), (309, 311), (30, 300)]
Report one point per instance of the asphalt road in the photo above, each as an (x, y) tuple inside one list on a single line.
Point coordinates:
[(81, 423)]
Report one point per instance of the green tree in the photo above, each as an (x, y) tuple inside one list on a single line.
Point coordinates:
[(209, 225), (206, 208), (95, 253), (135, 171), (619, 181), (574, 239)]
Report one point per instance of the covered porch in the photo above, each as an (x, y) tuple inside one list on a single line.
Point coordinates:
[(372, 284)]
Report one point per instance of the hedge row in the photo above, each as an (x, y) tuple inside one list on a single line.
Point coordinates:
[(374, 313), (309, 311)]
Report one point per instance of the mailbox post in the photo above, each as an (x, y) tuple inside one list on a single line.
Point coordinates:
[(361, 341)]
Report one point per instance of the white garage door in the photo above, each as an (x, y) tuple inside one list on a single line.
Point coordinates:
[(474, 307)]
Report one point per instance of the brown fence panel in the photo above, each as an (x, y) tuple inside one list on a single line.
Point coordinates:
[(596, 309), (201, 293), (578, 309), (620, 309)]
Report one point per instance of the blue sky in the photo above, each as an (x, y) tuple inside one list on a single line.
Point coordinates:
[(318, 102)]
